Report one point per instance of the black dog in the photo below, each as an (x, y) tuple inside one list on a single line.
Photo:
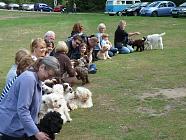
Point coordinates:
[(50, 124), (138, 43)]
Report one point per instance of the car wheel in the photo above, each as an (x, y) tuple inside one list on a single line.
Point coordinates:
[(175, 16), (154, 14), (111, 14), (135, 13), (119, 14)]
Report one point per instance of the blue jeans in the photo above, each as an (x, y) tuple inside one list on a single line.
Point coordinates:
[(124, 49), (112, 51)]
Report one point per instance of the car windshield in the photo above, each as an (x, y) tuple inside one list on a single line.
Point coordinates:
[(183, 4), (135, 5), (143, 4), (154, 4)]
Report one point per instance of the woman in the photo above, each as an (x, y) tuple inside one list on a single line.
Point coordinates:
[(18, 56), (21, 106), (121, 38), (65, 64), (38, 48), (101, 29), (23, 65), (77, 29)]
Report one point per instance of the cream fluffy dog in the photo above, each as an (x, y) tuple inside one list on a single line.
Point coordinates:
[(81, 98), (103, 53)]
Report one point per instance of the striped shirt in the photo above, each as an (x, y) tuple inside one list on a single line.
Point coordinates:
[(7, 88)]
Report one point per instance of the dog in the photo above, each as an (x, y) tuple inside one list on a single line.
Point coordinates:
[(80, 98), (139, 43), (51, 123), (46, 89), (154, 41), (82, 74), (103, 53)]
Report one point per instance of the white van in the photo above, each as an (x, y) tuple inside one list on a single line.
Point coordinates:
[(113, 7)]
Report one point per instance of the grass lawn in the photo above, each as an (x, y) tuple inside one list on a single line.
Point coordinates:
[(129, 90)]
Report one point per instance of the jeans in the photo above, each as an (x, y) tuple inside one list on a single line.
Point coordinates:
[(112, 51), (6, 137), (124, 49)]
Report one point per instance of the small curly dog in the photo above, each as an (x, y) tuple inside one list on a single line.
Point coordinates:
[(50, 124)]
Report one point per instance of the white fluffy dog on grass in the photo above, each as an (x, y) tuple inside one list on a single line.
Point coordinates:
[(154, 41), (55, 102), (80, 98)]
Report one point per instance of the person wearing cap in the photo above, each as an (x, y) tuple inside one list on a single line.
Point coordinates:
[(20, 107), (65, 63), (105, 42)]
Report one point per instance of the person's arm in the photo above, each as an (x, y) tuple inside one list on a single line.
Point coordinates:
[(134, 33), (26, 90)]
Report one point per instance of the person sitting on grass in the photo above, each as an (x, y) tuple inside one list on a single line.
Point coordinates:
[(121, 38), (105, 41), (18, 56), (23, 65)]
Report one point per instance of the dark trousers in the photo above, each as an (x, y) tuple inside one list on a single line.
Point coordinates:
[(6, 137)]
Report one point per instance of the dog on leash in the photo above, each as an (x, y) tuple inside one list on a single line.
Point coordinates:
[(154, 41)]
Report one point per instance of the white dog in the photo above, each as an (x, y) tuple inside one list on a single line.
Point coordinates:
[(81, 98), (154, 41)]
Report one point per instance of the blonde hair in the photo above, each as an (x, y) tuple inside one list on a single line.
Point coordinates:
[(61, 47), (20, 54), (122, 22), (35, 43), (25, 63), (105, 35), (101, 25)]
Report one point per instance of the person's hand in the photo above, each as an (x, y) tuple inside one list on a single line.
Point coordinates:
[(42, 136)]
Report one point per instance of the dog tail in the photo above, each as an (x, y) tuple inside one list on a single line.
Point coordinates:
[(162, 34)]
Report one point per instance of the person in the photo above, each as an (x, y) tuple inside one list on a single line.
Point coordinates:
[(105, 42), (73, 47), (24, 63), (38, 48), (77, 29), (21, 106), (65, 64), (92, 42), (74, 7), (49, 38), (83, 48), (121, 38), (101, 29), (18, 56)]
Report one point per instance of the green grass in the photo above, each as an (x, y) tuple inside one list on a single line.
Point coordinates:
[(118, 112)]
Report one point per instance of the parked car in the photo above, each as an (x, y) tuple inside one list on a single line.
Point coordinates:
[(59, 8), (28, 7), (42, 7), (3, 5), (134, 9), (179, 11), (158, 8), (13, 6)]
